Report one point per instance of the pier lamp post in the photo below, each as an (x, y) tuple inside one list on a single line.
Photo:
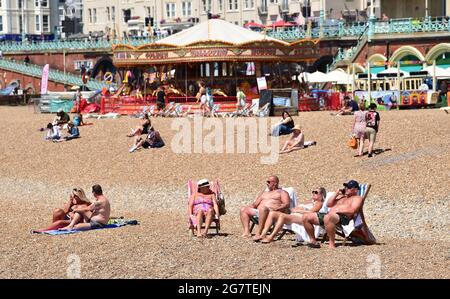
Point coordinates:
[(22, 2), (321, 18)]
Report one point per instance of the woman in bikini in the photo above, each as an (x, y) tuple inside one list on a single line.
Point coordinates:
[(62, 217), (203, 207), (296, 216)]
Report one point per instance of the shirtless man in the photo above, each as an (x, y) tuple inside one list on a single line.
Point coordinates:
[(275, 199), (344, 204), (94, 216)]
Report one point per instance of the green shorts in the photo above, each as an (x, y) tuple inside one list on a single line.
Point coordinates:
[(371, 134), (321, 216)]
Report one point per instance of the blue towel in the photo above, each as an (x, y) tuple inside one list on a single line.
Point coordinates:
[(66, 232)]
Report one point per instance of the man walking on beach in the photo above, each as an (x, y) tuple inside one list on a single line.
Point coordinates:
[(94, 216), (344, 205), (275, 199)]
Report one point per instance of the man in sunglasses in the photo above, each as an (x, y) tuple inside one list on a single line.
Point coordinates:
[(272, 199), (344, 204)]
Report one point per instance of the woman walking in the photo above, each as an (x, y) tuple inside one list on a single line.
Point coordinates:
[(359, 127)]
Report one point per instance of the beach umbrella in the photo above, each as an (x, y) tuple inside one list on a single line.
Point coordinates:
[(317, 77), (339, 77), (253, 24)]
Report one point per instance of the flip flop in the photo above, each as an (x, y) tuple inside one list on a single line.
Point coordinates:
[(310, 245)]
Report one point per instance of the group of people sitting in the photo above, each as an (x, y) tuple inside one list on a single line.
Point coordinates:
[(62, 121), (80, 213), (296, 141), (272, 208), (152, 137)]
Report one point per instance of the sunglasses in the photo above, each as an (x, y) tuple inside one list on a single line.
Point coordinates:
[(315, 192), (268, 182)]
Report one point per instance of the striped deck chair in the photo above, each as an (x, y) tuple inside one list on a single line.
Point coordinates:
[(176, 110), (215, 109), (248, 111), (168, 109), (215, 187), (286, 227), (357, 230), (264, 110)]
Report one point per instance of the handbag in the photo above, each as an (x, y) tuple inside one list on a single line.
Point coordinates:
[(353, 142)]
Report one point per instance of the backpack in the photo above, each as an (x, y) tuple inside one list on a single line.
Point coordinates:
[(221, 204)]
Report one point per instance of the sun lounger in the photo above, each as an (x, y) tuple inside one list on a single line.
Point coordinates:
[(215, 187), (175, 111), (446, 109), (214, 110), (168, 110), (264, 110)]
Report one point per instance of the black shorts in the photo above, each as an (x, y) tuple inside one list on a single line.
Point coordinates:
[(145, 144), (160, 105), (343, 219)]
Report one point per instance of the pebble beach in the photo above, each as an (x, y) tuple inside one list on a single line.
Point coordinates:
[(406, 209)]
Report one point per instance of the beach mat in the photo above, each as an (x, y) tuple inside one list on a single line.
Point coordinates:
[(113, 223)]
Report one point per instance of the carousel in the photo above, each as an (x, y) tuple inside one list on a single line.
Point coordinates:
[(222, 55)]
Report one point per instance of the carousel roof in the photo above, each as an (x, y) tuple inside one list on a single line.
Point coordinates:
[(216, 30)]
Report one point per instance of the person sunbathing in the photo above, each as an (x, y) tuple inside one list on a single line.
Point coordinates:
[(296, 141), (203, 207), (279, 219), (62, 217), (143, 129), (344, 204), (153, 140), (274, 199), (93, 216)]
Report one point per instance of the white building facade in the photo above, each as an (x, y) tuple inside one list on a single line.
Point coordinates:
[(114, 16), (31, 17)]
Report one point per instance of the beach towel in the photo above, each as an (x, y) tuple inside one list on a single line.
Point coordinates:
[(112, 223)]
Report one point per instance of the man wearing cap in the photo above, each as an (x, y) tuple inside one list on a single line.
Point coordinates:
[(274, 199), (344, 204)]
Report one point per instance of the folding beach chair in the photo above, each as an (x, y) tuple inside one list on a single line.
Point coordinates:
[(176, 110), (168, 110), (248, 111), (215, 110), (215, 187), (286, 227), (357, 230), (264, 110)]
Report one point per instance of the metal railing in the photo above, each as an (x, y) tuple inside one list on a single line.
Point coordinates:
[(86, 44), (338, 30), (350, 53), (54, 75)]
